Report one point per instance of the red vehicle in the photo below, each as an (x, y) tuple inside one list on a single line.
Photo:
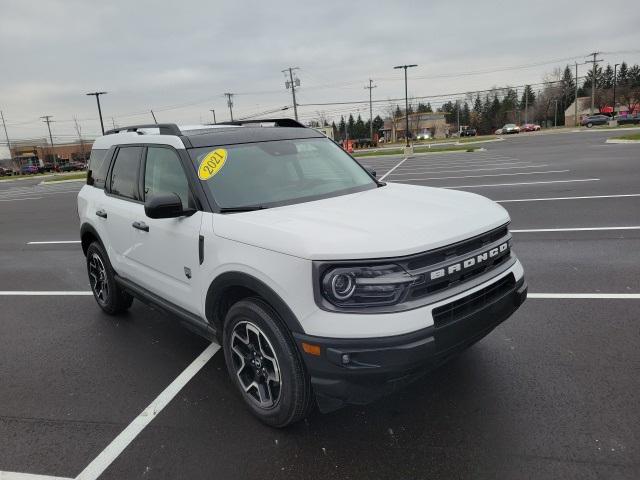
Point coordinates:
[(529, 127)]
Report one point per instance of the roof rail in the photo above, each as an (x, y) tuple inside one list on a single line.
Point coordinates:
[(279, 122), (165, 129)]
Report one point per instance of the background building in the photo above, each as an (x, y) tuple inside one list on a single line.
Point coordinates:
[(419, 123)]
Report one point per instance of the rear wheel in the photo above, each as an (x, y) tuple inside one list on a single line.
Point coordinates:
[(264, 364), (589, 125), (111, 298)]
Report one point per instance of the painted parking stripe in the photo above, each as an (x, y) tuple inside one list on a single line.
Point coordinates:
[(545, 199), (613, 296), (117, 446), (405, 171), (390, 171), (525, 183), (43, 293), (28, 476), (488, 175), (53, 241), (578, 229)]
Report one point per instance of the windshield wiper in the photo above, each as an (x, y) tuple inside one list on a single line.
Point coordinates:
[(246, 208)]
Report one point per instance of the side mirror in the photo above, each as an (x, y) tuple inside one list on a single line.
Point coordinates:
[(371, 171), (165, 205)]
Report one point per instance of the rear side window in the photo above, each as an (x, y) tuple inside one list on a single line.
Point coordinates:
[(124, 174), (98, 167), (164, 174)]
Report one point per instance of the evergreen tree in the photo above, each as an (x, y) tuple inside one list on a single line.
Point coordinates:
[(398, 112), (359, 130), (429, 109), (528, 97), (422, 108), (341, 128), (351, 123), (607, 77), (623, 74), (378, 124), (465, 115), (334, 129)]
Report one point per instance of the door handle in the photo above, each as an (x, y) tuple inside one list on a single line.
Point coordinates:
[(140, 226), (101, 213)]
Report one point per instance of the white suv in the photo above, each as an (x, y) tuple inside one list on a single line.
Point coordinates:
[(323, 285)]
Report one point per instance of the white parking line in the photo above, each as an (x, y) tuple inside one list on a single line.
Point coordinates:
[(28, 476), (622, 296), (42, 293), (54, 241), (526, 183), (579, 229), (544, 199), (489, 175), (418, 172), (20, 199), (117, 446), (397, 165)]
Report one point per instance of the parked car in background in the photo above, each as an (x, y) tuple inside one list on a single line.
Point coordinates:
[(530, 127), (468, 132), (29, 169), (5, 172), (424, 136), (499, 131), (510, 128), (628, 119), (592, 120)]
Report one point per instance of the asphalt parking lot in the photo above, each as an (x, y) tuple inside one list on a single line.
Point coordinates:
[(553, 392)]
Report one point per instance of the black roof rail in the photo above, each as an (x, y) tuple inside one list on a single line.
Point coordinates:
[(165, 128), (279, 122)]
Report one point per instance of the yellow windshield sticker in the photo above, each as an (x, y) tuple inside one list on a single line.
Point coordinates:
[(212, 163)]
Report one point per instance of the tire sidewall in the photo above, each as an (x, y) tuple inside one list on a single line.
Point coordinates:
[(96, 249), (263, 316)]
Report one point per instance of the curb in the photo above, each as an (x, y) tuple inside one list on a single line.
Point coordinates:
[(621, 140)]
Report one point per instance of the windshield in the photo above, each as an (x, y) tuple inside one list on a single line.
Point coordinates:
[(278, 172)]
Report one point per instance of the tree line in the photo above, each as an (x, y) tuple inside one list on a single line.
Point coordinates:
[(492, 109)]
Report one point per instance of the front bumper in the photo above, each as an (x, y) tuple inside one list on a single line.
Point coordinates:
[(357, 371)]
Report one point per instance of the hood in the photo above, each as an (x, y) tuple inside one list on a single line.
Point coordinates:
[(389, 221)]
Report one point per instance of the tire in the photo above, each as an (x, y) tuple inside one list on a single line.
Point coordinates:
[(111, 298), (265, 365), (589, 125)]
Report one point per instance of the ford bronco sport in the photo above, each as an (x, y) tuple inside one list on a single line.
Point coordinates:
[(323, 285)]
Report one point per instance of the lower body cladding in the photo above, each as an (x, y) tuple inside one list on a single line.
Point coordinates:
[(357, 371)]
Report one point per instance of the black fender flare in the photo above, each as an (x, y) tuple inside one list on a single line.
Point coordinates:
[(84, 229), (228, 280)]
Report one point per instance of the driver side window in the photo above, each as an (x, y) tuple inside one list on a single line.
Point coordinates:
[(163, 173)]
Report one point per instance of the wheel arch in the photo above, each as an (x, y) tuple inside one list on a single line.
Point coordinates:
[(230, 287), (88, 234)]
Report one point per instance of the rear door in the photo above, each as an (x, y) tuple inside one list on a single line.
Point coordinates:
[(166, 256), (122, 207)]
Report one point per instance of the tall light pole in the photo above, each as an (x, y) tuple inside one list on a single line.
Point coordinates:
[(230, 103), (97, 95), (615, 80), (214, 116), (6, 136), (47, 120), (406, 100), (370, 87)]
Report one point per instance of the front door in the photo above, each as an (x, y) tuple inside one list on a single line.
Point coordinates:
[(166, 253)]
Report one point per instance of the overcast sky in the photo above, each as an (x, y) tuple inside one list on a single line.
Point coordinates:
[(187, 54)]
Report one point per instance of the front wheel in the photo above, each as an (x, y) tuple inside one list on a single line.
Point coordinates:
[(265, 365), (589, 125)]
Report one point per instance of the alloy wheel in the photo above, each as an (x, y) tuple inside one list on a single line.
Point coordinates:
[(256, 365), (98, 279)]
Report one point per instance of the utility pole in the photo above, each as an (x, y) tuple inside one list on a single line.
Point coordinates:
[(615, 80), (97, 95), (370, 87), (79, 132), (406, 100), (575, 105), (214, 116), (113, 122), (154, 117), (7, 136), (526, 104), (47, 119), (458, 110), (555, 113), (593, 79), (293, 84), (230, 103)]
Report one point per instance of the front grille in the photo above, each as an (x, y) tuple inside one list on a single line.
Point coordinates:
[(450, 312)]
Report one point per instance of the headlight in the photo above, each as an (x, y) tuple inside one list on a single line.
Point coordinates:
[(362, 286)]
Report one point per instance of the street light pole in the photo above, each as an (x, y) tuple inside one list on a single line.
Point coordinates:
[(406, 100), (555, 114), (214, 116), (97, 95), (615, 80)]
